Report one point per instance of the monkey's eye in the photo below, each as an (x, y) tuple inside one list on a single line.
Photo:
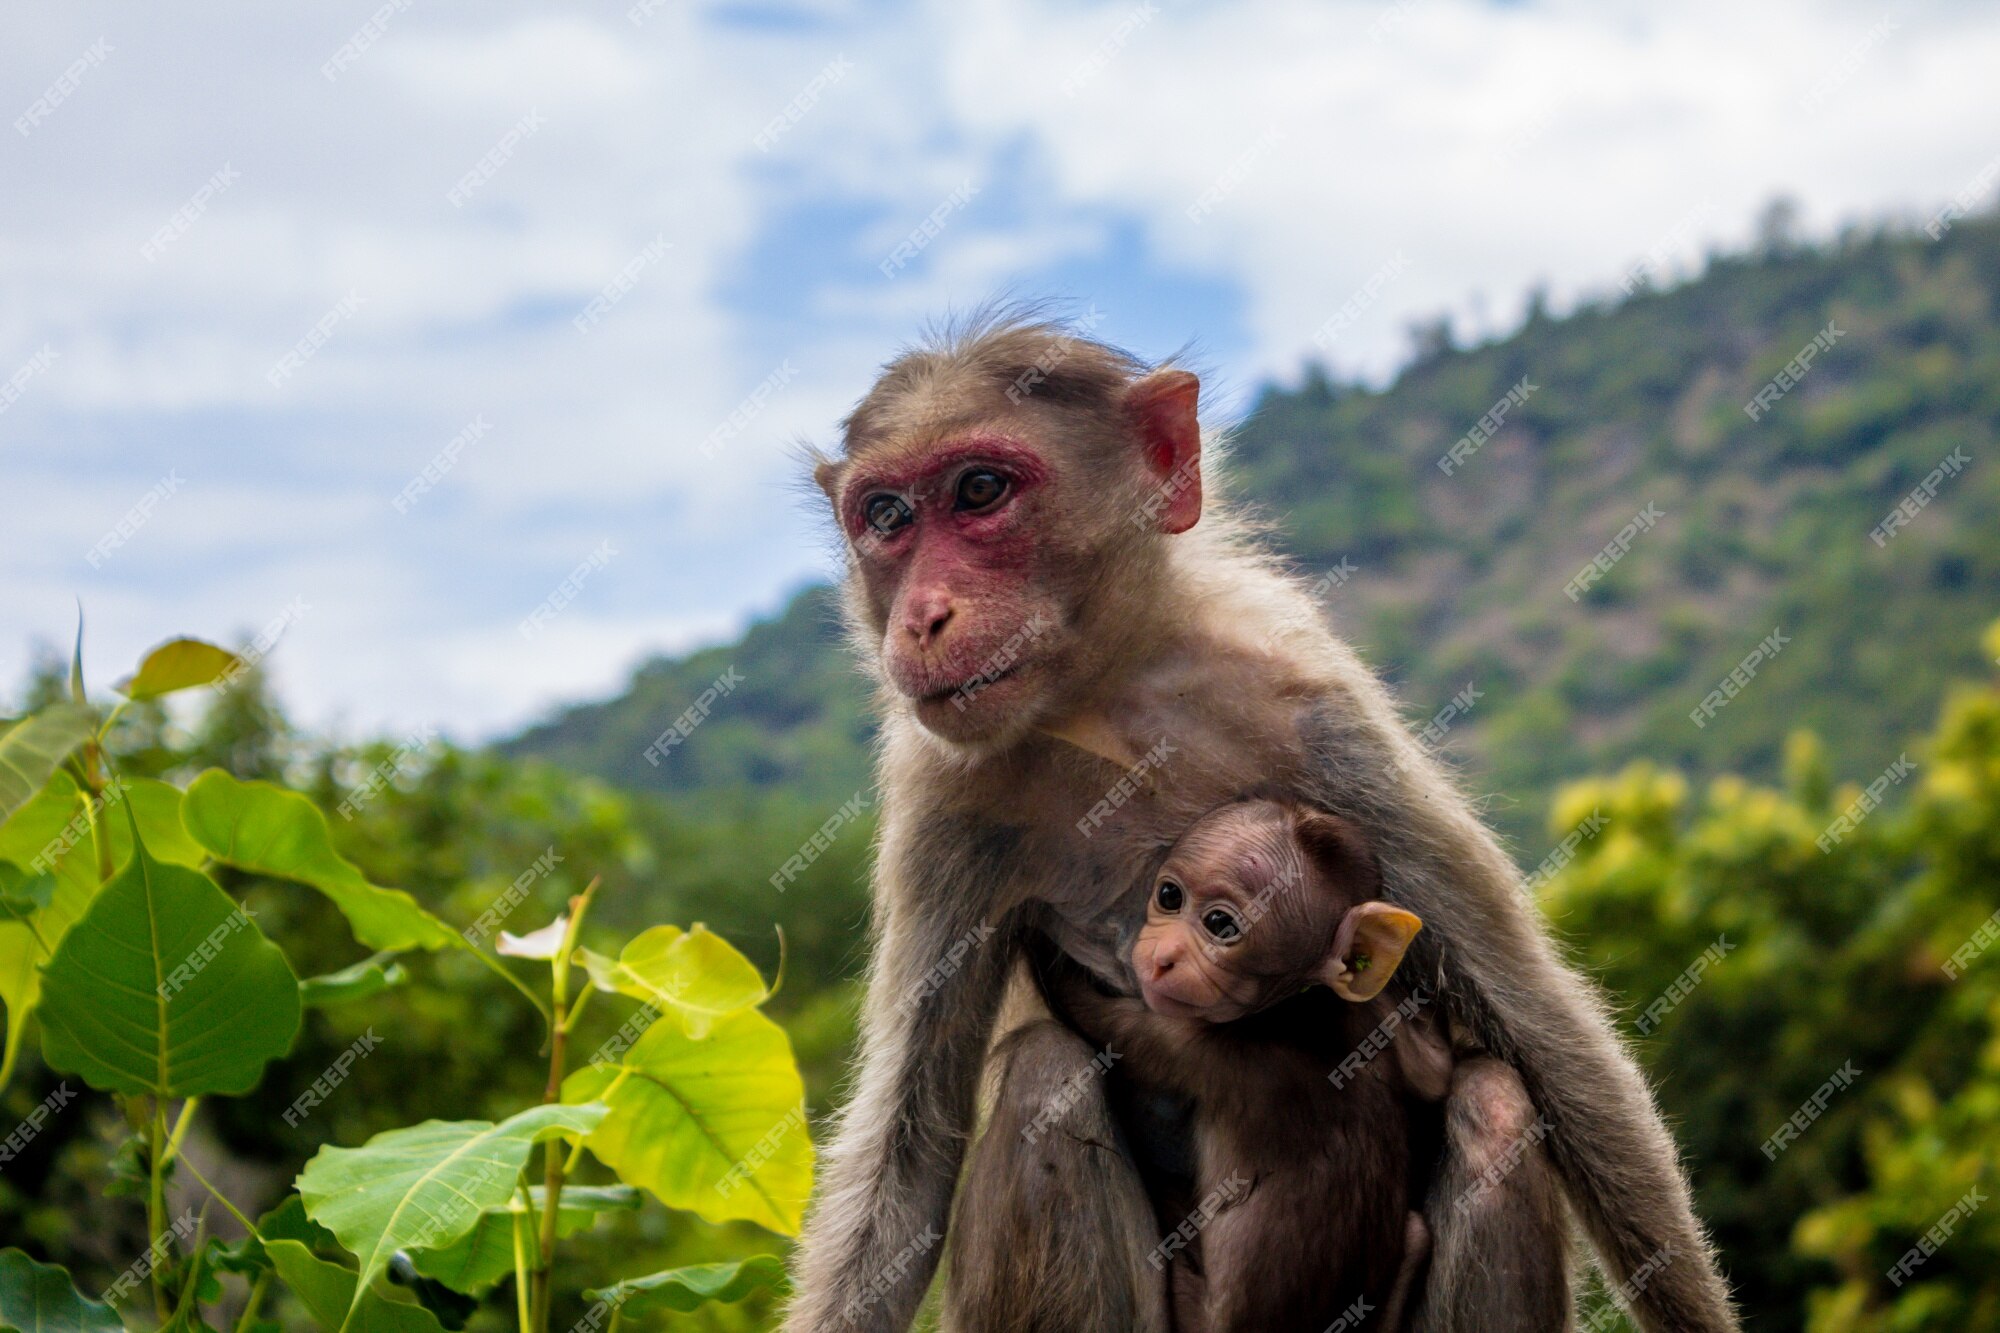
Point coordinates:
[(1170, 896), (886, 513), (980, 489), (1220, 924)]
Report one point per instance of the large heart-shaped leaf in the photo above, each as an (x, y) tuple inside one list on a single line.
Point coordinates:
[(51, 832), (41, 1298), (178, 664), (31, 749), (683, 1290), (263, 828), (695, 975), (715, 1125), (157, 807), (167, 986), (338, 1298), (423, 1187), (485, 1254)]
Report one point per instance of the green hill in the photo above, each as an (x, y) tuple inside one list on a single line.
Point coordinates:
[(1622, 409)]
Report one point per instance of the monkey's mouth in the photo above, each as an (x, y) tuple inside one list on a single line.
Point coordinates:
[(966, 691)]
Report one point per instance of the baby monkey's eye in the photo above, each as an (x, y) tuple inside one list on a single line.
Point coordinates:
[(1220, 924), (1170, 896)]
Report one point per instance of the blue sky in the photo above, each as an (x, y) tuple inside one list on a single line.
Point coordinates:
[(444, 191)]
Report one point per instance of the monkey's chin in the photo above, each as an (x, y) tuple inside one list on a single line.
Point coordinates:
[(992, 715), (1218, 1010)]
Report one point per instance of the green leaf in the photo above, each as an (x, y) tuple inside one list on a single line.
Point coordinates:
[(370, 976), (338, 1299), (715, 1125), (684, 1290), (696, 975), (167, 986), (157, 807), (41, 1298), (263, 828), (425, 1186), (33, 748), (50, 831), (482, 1256), (178, 664)]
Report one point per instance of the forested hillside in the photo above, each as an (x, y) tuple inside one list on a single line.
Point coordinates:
[(1625, 415)]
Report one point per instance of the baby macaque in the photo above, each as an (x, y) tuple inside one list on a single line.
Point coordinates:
[(1302, 1173)]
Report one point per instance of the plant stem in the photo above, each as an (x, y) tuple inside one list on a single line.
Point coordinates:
[(251, 1302), (521, 1273), (181, 1124), (552, 1151), (156, 1210), (249, 1227)]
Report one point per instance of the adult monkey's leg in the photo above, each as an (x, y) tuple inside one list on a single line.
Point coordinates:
[(1052, 1226), (1500, 1248)]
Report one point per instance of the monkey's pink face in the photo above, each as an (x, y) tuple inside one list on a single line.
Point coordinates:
[(1186, 954), (951, 554)]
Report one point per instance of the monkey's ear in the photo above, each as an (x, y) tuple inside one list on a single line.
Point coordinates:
[(826, 473), (1163, 410), (1368, 948)]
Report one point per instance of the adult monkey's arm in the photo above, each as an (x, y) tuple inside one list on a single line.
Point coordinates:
[(1503, 980), (875, 1232)]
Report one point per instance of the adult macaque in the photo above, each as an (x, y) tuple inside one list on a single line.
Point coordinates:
[(1302, 1178), (1028, 793)]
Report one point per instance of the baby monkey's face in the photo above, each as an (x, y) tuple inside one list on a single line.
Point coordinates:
[(1257, 901)]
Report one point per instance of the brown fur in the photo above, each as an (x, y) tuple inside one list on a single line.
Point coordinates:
[(1200, 641)]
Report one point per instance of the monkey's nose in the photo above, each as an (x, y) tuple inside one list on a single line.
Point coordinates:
[(926, 618)]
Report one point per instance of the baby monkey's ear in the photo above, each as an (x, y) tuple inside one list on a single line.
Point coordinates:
[(1338, 853), (1368, 948)]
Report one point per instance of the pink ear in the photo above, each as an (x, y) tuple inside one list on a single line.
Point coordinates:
[(1163, 410)]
